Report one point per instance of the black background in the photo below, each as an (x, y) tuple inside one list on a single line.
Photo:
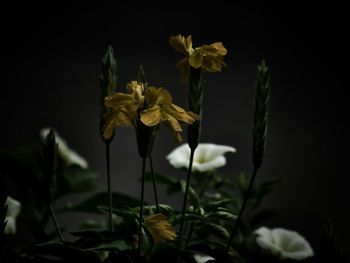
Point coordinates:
[(51, 63)]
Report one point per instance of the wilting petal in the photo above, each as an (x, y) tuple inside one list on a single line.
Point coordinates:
[(158, 96), (151, 117), (184, 69), (109, 125), (118, 100), (13, 210), (180, 44), (180, 114), (207, 156), (160, 229), (285, 243), (196, 59)]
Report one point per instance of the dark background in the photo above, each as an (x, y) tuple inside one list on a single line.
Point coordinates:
[(51, 64)]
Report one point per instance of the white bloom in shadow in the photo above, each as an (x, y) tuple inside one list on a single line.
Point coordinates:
[(207, 157), (68, 155), (202, 258), (13, 210), (285, 243)]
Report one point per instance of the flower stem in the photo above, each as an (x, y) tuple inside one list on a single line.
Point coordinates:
[(154, 183), (55, 222), (141, 202), (186, 192), (251, 183), (110, 221)]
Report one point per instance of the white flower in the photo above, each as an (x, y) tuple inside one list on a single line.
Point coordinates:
[(13, 210), (207, 156), (67, 154), (283, 242), (201, 258)]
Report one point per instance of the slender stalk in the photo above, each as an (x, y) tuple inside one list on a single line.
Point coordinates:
[(141, 201), (186, 193), (154, 183), (110, 221), (55, 222), (242, 208)]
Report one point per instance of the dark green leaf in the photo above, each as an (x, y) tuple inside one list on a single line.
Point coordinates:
[(76, 180), (66, 252), (223, 215), (214, 204), (192, 195), (101, 199)]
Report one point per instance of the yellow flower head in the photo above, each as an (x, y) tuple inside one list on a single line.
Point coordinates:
[(126, 110), (209, 58), (160, 229), (161, 110)]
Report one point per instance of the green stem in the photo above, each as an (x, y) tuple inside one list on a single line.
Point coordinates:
[(110, 221), (154, 183), (141, 201), (186, 193), (242, 208), (55, 223)]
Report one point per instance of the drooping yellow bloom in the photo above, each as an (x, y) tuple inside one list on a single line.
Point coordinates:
[(209, 58), (126, 110), (161, 110), (160, 228)]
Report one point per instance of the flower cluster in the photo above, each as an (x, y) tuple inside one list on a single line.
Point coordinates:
[(150, 105), (209, 58)]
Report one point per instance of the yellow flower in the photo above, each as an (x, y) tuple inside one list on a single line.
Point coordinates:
[(124, 108), (161, 110), (160, 229), (209, 58)]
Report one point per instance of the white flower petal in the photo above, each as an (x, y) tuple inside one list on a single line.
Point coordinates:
[(13, 210), (201, 258), (67, 154), (265, 240), (288, 244), (207, 156)]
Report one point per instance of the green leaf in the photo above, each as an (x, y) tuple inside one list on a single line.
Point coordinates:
[(269, 186), (119, 245), (192, 195), (76, 180), (129, 216), (101, 199), (215, 229), (175, 219), (223, 215), (91, 224), (160, 178), (214, 204), (66, 252), (150, 209), (170, 253)]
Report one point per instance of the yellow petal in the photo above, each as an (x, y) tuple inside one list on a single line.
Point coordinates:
[(160, 229), (213, 63), (183, 66), (109, 125), (180, 114), (180, 44), (158, 96), (196, 59), (221, 50), (173, 125), (118, 100), (151, 117), (134, 86)]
